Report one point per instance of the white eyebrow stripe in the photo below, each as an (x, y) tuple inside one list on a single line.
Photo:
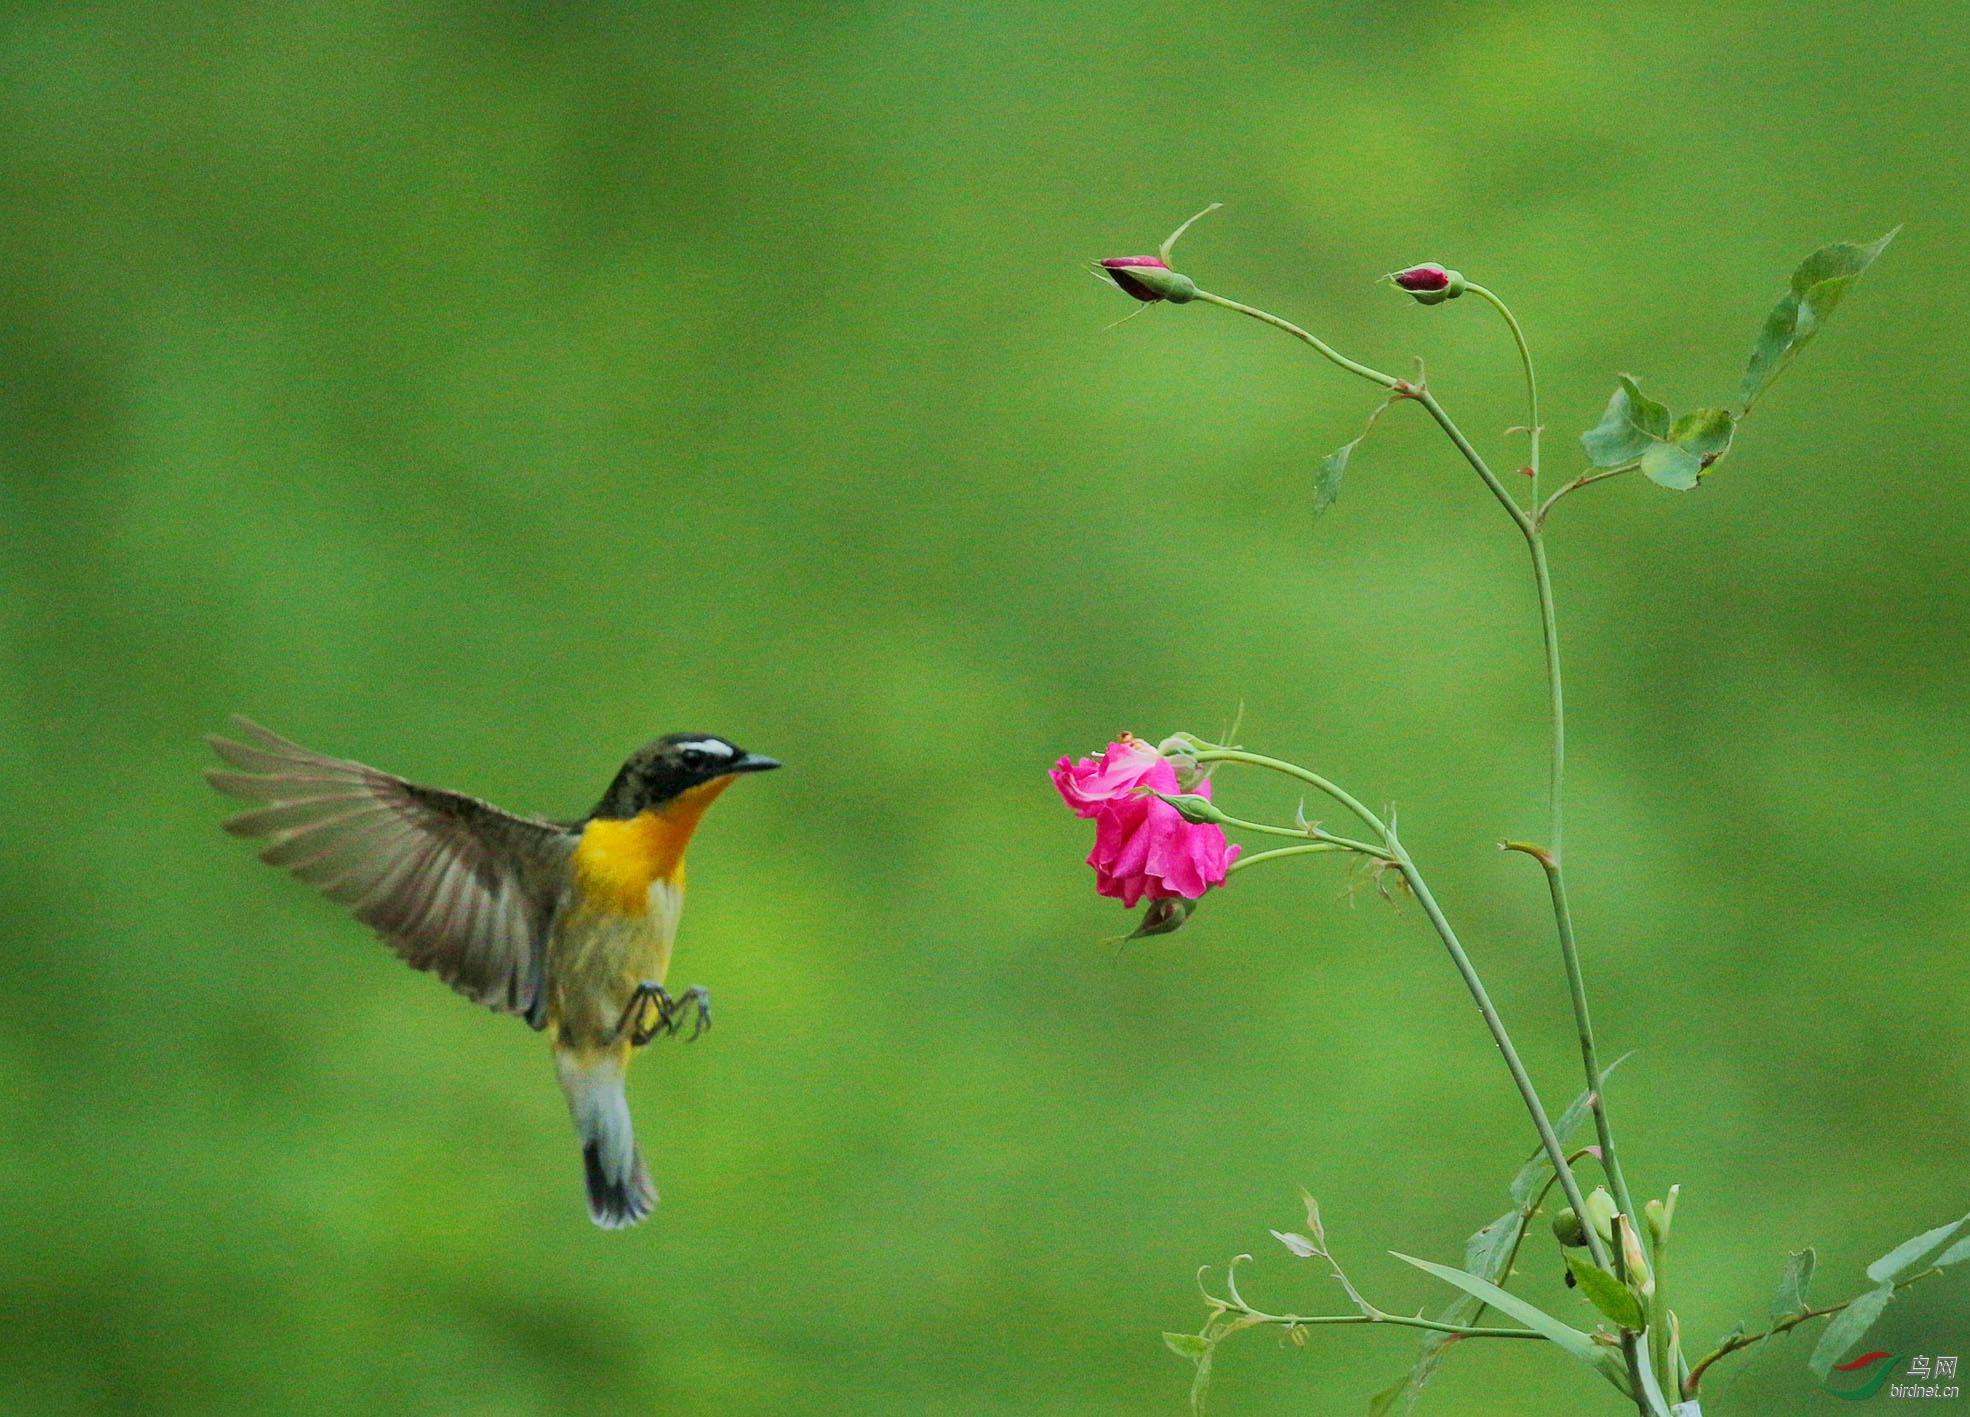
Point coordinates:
[(711, 745)]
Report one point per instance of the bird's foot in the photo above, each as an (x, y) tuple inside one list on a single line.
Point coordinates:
[(669, 1013)]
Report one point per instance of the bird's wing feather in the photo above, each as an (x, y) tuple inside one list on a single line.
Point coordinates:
[(455, 885)]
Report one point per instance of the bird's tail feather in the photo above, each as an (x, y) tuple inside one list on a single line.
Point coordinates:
[(620, 1191)]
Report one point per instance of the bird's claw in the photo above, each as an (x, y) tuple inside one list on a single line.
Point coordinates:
[(670, 1013)]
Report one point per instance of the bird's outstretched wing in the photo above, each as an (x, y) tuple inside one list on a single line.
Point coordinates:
[(453, 884)]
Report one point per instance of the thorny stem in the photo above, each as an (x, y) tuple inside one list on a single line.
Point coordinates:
[(1784, 1325)]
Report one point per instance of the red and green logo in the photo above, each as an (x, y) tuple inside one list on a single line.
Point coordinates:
[(1877, 1366)]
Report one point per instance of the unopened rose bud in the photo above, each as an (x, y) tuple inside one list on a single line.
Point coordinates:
[(1149, 278), (1568, 1230), (1430, 283)]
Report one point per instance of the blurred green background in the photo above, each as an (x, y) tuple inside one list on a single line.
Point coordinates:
[(481, 389)]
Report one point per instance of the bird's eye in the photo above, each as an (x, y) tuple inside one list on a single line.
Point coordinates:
[(694, 758)]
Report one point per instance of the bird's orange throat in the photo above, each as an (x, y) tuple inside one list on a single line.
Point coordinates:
[(618, 860)]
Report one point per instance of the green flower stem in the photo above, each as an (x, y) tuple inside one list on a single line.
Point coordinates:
[(1533, 429), (1258, 760), (1243, 861), (1326, 840), (1784, 1325), (1218, 817), (1387, 381)]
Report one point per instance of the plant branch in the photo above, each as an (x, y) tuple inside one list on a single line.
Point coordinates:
[(1584, 480), (1243, 861), (1387, 381), (1379, 1317), (1313, 779), (1519, 515), (1315, 834), (1784, 1325)]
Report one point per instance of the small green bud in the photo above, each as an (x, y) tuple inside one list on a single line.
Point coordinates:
[(1601, 1211), (1661, 1215), (1165, 916), (1568, 1230), (1193, 809)]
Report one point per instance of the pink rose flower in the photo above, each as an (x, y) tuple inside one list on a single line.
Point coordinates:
[(1142, 846)]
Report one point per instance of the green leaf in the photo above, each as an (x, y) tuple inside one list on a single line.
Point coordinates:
[(1382, 1404), (1791, 1295), (1604, 1360), (1298, 1244), (1608, 1294), (1848, 1328), (1669, 466), (1908, 1256), (1704, 431), (1955, 1254), (1186, 1345), (1327, 478), (1818, 286), (1489, 1251), (1631, 424), (1731, 1334)]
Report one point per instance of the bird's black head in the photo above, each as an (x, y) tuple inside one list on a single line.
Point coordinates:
[(660, 772)]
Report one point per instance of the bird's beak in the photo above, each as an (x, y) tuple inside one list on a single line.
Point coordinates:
[(755, 762)]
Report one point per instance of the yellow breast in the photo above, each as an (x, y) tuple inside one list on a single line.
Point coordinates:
[(617, 861)]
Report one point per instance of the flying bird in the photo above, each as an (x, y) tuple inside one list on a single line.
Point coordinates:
[(567, 924)]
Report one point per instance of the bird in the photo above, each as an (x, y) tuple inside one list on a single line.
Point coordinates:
[(566, 924)]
